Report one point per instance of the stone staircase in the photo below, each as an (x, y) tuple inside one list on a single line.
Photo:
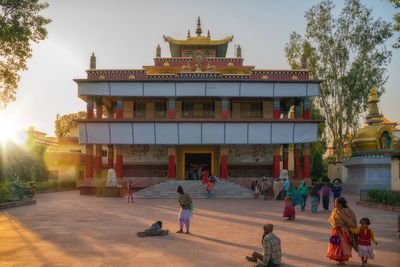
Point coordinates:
[(196, 189)]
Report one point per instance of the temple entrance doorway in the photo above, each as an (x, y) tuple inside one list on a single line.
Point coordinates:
[(196, 163)]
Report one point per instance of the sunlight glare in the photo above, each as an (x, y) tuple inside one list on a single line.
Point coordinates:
[(9, 130)]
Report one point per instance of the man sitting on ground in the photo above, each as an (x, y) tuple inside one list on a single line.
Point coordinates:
[(272, 249), (154, 230)]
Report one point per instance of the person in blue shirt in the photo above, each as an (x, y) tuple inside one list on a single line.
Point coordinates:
[(286, 185), (336, 189)]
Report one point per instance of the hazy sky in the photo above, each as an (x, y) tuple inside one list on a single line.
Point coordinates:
[(124, 34)]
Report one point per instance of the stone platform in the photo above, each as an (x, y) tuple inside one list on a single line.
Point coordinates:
[(367, 172)]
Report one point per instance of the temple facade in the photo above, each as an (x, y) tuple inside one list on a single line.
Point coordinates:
[(197, 110)]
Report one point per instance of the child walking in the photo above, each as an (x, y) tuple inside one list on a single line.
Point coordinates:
[(365, 235)]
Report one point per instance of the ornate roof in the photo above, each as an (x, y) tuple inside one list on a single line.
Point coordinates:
[(198, 42)]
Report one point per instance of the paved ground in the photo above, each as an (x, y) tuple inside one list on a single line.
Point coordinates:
[(66, 229)]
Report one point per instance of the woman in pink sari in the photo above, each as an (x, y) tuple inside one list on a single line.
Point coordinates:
[(342, 219)]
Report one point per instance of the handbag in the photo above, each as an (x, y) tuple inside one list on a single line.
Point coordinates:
[(334, 239), (191, 207)]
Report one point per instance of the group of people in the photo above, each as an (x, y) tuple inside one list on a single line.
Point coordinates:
[(298, 196), (270, 188), (346, 235)]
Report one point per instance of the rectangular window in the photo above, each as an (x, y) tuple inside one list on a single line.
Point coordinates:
[(160, 109), (140, 109), (104, 153), (198, 109), (251, 110)]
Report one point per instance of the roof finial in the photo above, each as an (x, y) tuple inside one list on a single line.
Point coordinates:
[(208, 34), (198, 30), (93, 62), (158, 51), (188, 36), (238, 51)]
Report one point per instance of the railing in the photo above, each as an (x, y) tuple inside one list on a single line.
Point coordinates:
[(381, 196)]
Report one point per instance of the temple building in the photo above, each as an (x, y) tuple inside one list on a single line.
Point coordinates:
[(197, 110)]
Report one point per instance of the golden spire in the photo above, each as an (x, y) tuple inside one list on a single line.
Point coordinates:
[(373, 118), (188, 35), (373, 95), (208, 34), (198, 30)]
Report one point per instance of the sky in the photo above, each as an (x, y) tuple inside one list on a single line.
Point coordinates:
[(124, 34)]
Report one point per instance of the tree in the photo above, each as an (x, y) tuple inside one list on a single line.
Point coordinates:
[(63, 123), (20, 25), (349, 55), (396, 18)]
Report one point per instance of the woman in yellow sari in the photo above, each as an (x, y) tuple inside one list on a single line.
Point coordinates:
[(341, 241)]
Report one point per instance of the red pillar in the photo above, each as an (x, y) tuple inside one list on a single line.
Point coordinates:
[(171, 163), (277, 108), (306, 161), (89, 161), (285, 157), (224, 162), (110, 154), (171, 166), (297, 161), (98, 160), (276, 162), (119, 161)]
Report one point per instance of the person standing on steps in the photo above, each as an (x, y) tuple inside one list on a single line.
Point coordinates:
[(303, 191), (185, 201), (204, 177), (209, 187)]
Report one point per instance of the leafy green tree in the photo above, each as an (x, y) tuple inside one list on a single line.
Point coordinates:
[(20, 25), (63, 123), (396, 18), (348, 53)]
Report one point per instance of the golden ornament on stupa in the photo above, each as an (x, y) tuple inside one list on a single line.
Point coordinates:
[(374, 138)]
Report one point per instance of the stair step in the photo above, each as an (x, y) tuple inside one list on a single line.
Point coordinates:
[(196, 189)]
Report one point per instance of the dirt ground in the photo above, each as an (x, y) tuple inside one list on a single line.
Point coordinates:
[(66, 229)]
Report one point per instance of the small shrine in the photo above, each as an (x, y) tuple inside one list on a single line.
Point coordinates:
[(370, 165)]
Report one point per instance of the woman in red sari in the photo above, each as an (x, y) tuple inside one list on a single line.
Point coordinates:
[(291, 196), (342, 219)]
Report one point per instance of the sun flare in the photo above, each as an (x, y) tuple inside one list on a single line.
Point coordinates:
[(9, 130)]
